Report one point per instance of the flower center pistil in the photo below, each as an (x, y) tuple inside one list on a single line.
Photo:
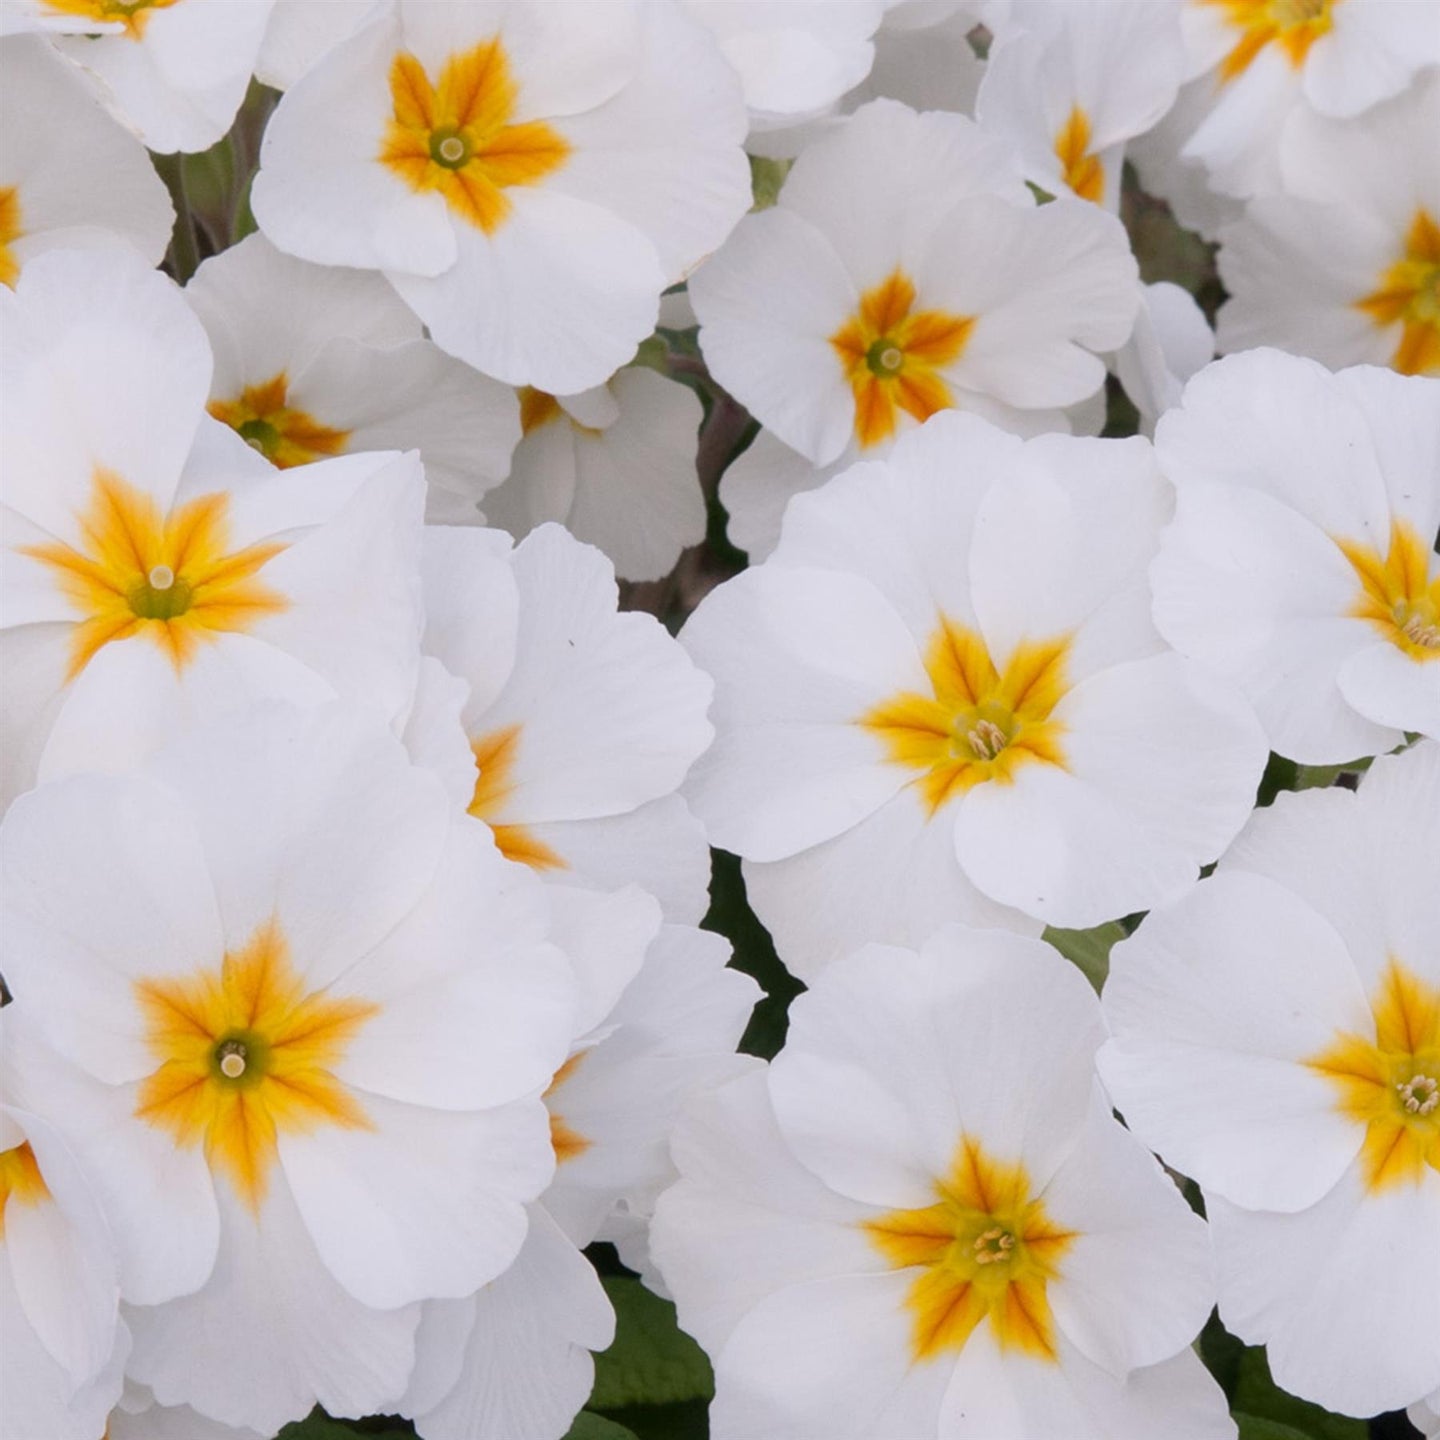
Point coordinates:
[(994, 1247), (1399, 591), (1408, 295), (1420, 1095)]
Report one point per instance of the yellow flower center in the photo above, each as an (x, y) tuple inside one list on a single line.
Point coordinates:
[(10, 232), (1390, 1083), (891, 354), (1409, 296), (564, 1138), (1293, 25), (244, 1053), (495, 756), (985, 1251), (262, 416), (170, 577), (458, 137), (979, 723), (133, 14), (1399, 592), (1083, 171), (537, 408), (20, 1180)]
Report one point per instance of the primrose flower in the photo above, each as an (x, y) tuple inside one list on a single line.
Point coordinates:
[(1254, 64), (69, 174), (1344, 266), (313, 361), (138, 1417), (1425, 1416), (1277, 1037), (1172, 341), (615, 465), (1301, 561), (65, 1348), (156, 570), (943, 695), (1068, 85), (528, 177), (571, 724), (838, 324), (304, 1075), (173, 71), (924, 1221)]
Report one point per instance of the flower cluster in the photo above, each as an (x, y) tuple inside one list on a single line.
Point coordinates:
[(464, 459)]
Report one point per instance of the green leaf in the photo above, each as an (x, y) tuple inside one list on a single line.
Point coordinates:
[(589, 1426), (317, 1425), (1262, 1402), (653, 1361), (1089, 950), (766, 178)]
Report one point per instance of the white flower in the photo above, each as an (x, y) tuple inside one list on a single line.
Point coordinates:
[(318, 1009), (69, 175), (571, 725), (528, 177), (156, 570), (1300, 563), (925, 1222), (1068, 85), (174, 71), (1255, 63), (943, 694), (302, 32), (1344, 265), (65, 1348), (836, 322), (313, 361), (1277, 1037), (138, 1417), (1172, 341), (1425, 1416), (615, 465)]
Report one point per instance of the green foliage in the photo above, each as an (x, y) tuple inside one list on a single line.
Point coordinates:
[(653, 1361), (731, 916), (766, 178), (1266, 1412), (589, 1426), (317, 1425), (1089, 950)]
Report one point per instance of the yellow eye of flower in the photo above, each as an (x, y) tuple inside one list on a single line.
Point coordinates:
[(1408, 295), (21, 1182), (495, 756), (1083, 171), (986, 1251), (10, 231), (133, 14), (1398, 593), (263, 417), (891, 353), (1293, 25), (979, 724)]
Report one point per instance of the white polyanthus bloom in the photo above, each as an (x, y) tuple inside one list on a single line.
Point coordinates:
[(943, 694), (1172, 341), (1277, 1037), (302, 32), (1345, 265), (173, 71), (69, 174), (615, 465), (1425, 1416), (138, 1417), (1068, 85), (302, 1056), (65, 1348), (571, 725), (312, 361), (1255, 63), (925, 1221), (795, 61), (514, 1360), (1301, 564), (156, 571), (528, 177), (840, 323)]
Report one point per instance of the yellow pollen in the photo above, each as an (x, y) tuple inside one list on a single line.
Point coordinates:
[(243, 1053), (495, 757), (1082, 170), (892, 355), (172, 578), (264, 418), (21, 1182), (1293, 25), (1408, 295), (1387, 1082), (979, 723), (10, 231), (458, 136), (984, 1252), (133, 14), (1399, 592)]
